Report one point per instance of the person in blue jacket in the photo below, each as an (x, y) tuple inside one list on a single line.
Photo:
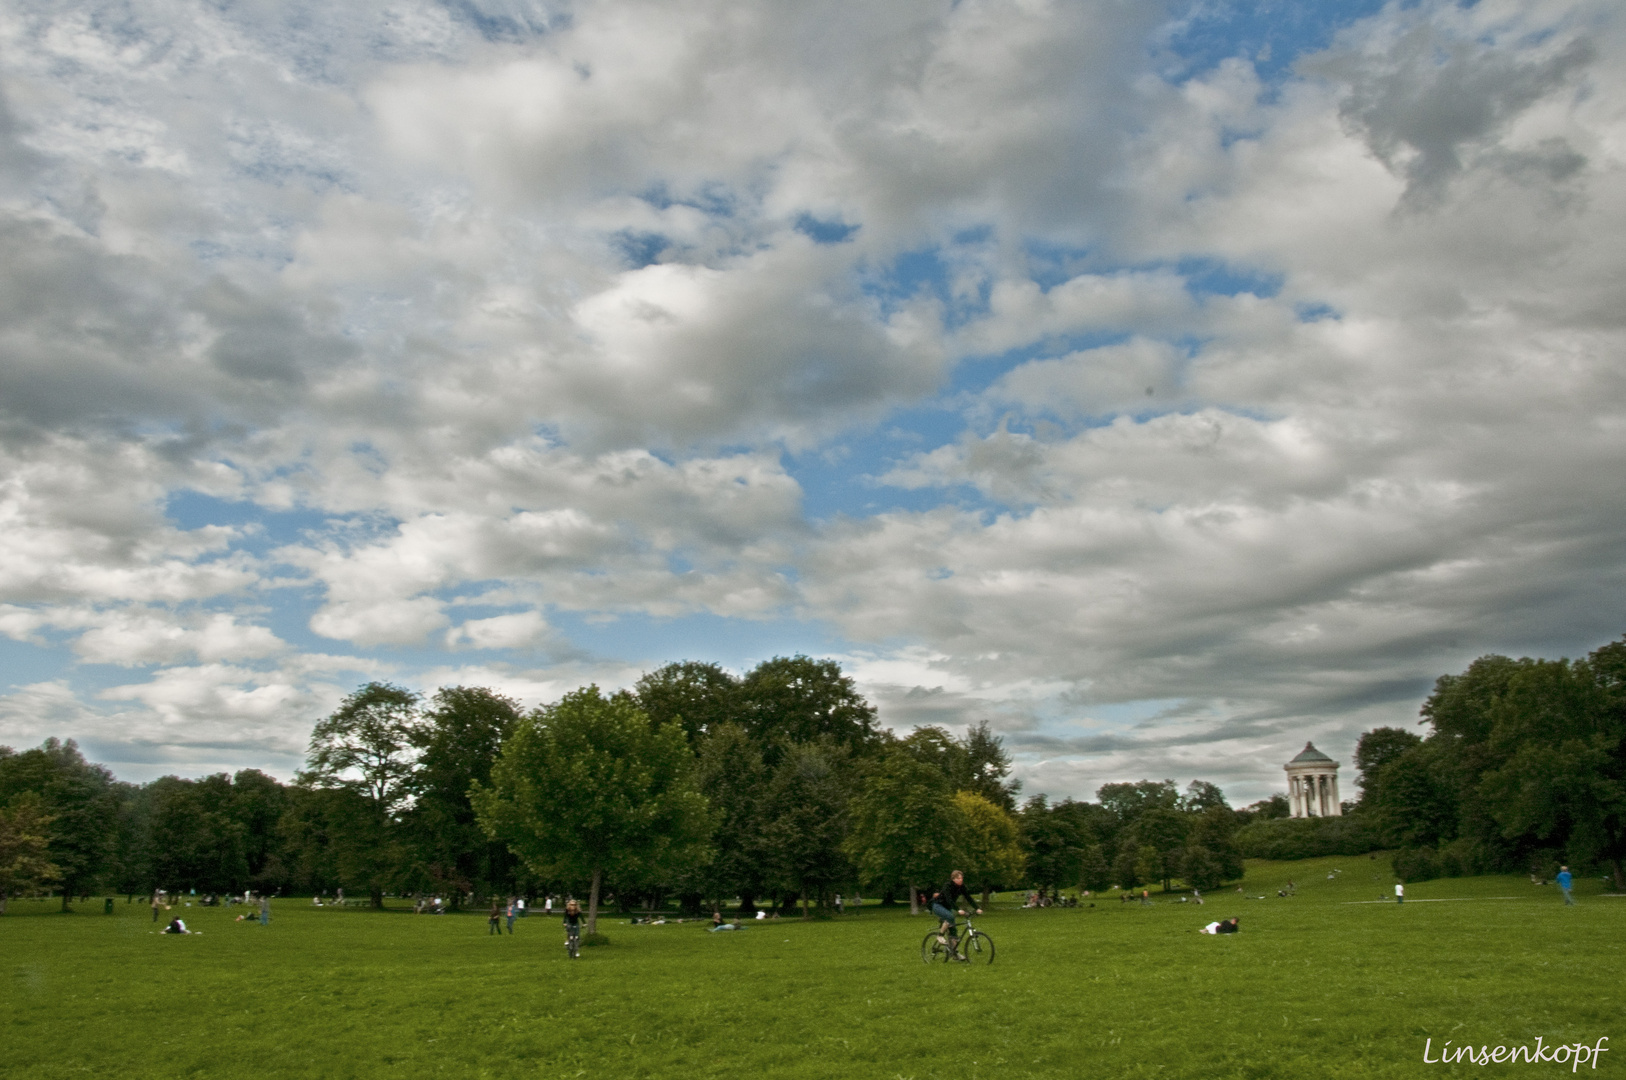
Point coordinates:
[(1566, 883)]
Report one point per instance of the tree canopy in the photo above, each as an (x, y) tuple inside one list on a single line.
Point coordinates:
[(588, 786)]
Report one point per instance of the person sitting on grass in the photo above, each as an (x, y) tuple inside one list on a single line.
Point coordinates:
[(943, 908), (176, 926)]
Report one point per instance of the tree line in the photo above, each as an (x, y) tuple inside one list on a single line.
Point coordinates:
[(1523, 767), (695, 786)]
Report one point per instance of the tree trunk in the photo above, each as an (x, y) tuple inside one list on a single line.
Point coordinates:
[(806, 916), (592, 902), (914, 900), (66, 894), (378, 898), (1614, 864), (987, 891)]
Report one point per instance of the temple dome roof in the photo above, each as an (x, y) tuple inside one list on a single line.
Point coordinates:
[(1311, 756)]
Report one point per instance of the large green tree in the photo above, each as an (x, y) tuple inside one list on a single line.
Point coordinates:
[(1559, 733), (81, 800), (1127, 802), (988, 768), (1164, 832), (696, 696), (1056, 840), (197, 843), (809, 798), (791, 700), (25, 863), (731, 774), (1375, 749), (990, 844), (458, 739), (905, 826), (588, 787), (364, 753)]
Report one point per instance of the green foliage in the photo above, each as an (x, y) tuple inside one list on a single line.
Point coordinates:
[(1377, 748), (732, 776), (80, 799), (1094, 872), (1269, 809), (698, 697), (797, 700), (808, 799), (1202, 796), (988, 768), (905, 824), (366, 746), (587, 787), (1202, 869), (458, 739), (1127, 802), (197, 843), (1126, 867), (1307, 838), (1415, 864), (989, 847), (1525, 757), (25, 862)]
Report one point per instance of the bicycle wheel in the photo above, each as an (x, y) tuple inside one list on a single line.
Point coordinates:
[(932, 950), (978, 948)]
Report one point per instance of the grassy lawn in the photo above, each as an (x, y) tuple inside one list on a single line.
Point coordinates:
[(1319, 985)]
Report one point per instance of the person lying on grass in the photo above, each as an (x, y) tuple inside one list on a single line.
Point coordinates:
[(1224, 926)]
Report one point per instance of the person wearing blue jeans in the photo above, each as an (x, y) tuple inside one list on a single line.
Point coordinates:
[(943, 906), (1566, 883)]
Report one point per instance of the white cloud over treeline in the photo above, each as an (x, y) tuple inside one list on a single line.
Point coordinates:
[(1163, 416)]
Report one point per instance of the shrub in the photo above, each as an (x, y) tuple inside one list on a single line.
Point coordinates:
[(1466, 857), (1416, 864), (1307, 838)]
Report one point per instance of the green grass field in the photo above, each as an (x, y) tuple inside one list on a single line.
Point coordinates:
[(1320, 985)]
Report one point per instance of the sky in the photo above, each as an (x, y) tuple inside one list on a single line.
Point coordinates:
[(1165, 384)]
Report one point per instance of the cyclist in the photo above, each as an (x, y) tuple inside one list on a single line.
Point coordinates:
[(943, 908), (573, 927)]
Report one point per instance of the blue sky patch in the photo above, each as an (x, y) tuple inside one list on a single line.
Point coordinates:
[(825, 232)]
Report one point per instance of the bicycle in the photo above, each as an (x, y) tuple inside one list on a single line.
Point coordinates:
[(972, 947), (573, 941)]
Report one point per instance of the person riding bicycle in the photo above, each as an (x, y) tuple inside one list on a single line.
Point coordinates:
[(573, 924), (943, 907)]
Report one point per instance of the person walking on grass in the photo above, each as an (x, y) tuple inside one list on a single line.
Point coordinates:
[(573, 924), (1400, 892), (513, 913), (1566, 883), (265, 909), (494, 924)]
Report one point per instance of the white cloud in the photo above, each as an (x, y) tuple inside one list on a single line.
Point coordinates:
[(521, 630), (471, 314)]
